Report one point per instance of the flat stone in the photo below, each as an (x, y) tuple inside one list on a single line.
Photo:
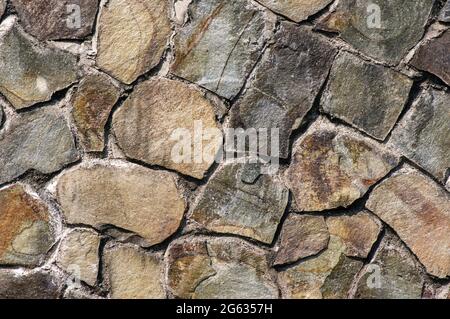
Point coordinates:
[(20, 284), (393, 274), (2, 7), (79, 293), (433, 57), (26, 230), (211, 268), (92, 103), (164, 123), (133, 198), (445, 13), (132, 37), (436, 291), (133, 274), (301, 236), (419, 211), (78, 255), (333, 166), (40, 140), (385, 31), (296, 10), (228, 204), (359, 232), (422, 135), (275, 99), (31, 72), (57, 19), (220, 44), (367, 96)]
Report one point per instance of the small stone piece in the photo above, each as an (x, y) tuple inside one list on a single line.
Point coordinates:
[(445, 13), (133, 274), (26, 231), (2, 7), (433, 57), (423, 134), (39, 284), (419, 212), (165, 122), (39, 140), (230, 205), (301, 237), (385, 30), (297, 10), (132, 37), (368, 96), (78, 255), (57, 19), (31, 73), (131, 197), (333, 166), (358, 232), (447, 186), (211, 268), (92, 103), (220, 45)]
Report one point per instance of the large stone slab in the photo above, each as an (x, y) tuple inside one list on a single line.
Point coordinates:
[(130, 197), (31, 73), (37, 284), (367, 96), (419, 211), (132, 37), (220, 45), (297, 10)]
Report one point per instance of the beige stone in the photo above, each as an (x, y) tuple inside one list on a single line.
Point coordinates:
[(297, 10)]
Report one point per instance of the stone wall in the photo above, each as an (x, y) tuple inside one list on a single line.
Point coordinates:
[(112, 113)]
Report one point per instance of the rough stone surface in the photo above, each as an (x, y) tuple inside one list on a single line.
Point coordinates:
[(445, 13), (92, 104), (78, 255), (399, 28), (133, 198), (301, 237), (369, 97), (275, 99), (297, 10), (40, 140), (203, 268), (419, 211), (38, 284), (133, 274), (26, 230), (163, 116), (423, 133), (220, 44), (230, 204), (333, 166), (132, 37), (57, 19), (31, 73), (2, 7)]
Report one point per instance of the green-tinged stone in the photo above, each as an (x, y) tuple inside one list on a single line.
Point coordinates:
[(338, 284)]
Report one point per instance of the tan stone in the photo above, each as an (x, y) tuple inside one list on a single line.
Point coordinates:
[(297, 10), (2, 7)]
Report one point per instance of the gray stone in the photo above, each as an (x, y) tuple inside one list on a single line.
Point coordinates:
[(369, 97), (445, 13), (20, 284), (297, 10), (2, 7)]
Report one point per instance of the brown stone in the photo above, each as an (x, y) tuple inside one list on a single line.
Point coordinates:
[(297, 10), (36, 284)]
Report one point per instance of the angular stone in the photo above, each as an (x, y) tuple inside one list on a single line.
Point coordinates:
[(433, 57), (92, 103), (209, 268), (57, 19), (229, 204), (26, 230), (132, 37), (275, 99), (40, 140), (38, 284), (79, 293), (220, 45), (31, 73), (369, 97), (333, 166), (131, 197), (393, 274), (78, 255), (445, 13), (297, 10), (358, 232), (133, 274), (419, 211), (436, 291), (165, 119), (301, 236), (385, 30), (423, 133)]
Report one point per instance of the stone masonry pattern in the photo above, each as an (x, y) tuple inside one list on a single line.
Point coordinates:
[(93, 204)]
